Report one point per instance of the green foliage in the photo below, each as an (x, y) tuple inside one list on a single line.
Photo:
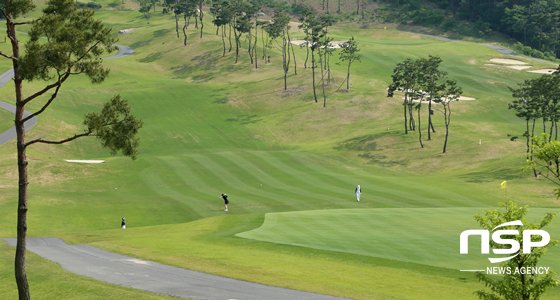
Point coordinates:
[(544, 158), (526, 50), (145, 9), (116, 127), (74, 41), (16, 7), (516, 286)]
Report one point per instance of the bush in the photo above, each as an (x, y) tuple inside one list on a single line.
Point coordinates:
[(90, 5)]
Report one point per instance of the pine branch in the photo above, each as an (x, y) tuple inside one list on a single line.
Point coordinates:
[(7, 56), (88, 133)]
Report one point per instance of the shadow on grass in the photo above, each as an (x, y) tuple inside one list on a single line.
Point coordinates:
[(245, 119), (161, 32), (151, 58), (141, 44), (368, 146), (490, 175)]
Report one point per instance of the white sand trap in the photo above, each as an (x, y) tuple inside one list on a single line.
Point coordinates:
[(519, 67), (507, 61), (543, 71), (461, 98), (85, 161), (303, 43)]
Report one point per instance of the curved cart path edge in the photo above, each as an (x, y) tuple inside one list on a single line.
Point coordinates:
[(10, 134), (154, 277)]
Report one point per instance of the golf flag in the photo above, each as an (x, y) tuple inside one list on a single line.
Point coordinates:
[(504, 184)]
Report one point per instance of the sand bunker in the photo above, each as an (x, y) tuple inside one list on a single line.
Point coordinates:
[(85, 161), (507, 61), (543, 71), (461, 98), (519, 67), (303, 43)]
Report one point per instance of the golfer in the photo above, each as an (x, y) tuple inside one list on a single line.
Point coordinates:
[(224, 196), (123, 224), (358, 192)]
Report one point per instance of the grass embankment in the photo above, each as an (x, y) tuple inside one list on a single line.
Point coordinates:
[(212, 126)]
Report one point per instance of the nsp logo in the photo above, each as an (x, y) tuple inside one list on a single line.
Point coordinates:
[(528, 244)]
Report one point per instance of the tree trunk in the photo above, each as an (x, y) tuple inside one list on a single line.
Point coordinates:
[(550, 135), (19, 264), (201, 15), (528, 136), (405, 116), (237, 42), (264, 46), (223, 40), (532, 135), (313, 71), (420, 129), (177, 25), (250, 50), (290, 45), (255, 52), (307, 47), (411, 115), (323, 77), (430, 125), (348, 75), (447, 121), (285, 62), (229, 37), (184, 30)]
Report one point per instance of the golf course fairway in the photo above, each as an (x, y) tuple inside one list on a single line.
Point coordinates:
[(288, 164)]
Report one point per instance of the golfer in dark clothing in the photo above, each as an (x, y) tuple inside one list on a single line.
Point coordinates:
[(123, 224), (225, 200)]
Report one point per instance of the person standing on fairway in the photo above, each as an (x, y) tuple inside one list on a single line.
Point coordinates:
[(358, 192), (123, 224), (224, 196)]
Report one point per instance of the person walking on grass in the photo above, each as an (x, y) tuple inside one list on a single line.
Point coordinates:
[(224, 196), (123, 224), (358, 192)]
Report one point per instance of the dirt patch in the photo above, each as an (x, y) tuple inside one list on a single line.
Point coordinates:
[(347, 90), (507, 61)]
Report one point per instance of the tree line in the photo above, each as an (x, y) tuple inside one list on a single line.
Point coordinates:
[(537, 101), (238, 19), (422, 81)]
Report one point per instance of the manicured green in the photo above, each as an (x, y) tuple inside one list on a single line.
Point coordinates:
[(215, 127), (404, 234)]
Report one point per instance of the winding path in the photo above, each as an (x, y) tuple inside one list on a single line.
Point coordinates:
[(7, 76), (155, 277)]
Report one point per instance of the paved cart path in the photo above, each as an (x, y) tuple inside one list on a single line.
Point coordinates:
[(7, 76), (155, 277)]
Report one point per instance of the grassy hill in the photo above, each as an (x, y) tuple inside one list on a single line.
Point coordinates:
[(215, 127)]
